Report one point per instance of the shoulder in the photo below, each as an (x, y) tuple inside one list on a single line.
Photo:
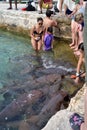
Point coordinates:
[(46, 35), (33, 27), (54, 22)]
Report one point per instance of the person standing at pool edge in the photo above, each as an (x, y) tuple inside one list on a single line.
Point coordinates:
[(10, 3)]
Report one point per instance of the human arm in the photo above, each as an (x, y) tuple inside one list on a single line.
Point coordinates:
[(73, 12), (43, 35), (31, 33)]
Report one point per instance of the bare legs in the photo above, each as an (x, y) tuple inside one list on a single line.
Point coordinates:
[(40, 5), (60, 5), (10, 3), (74, 28), (36, 45), (65, 8), (16, 4)]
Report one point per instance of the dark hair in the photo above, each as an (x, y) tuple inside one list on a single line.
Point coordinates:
[(48, 13), (50, 29), (39, 19), (81, 46)]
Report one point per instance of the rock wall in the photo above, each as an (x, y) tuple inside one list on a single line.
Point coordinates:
[(60, 121), (22, 21)]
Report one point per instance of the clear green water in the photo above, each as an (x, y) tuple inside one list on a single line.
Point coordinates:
[(16, 54), (63, 51), (11, 46)]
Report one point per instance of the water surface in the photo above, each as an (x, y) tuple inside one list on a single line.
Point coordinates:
[(19, 64), (12, 46)]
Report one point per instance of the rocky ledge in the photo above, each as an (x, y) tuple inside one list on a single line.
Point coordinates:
[(60, 121), (22, 21)]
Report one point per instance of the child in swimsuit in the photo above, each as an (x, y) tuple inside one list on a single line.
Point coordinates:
[(48, 39)]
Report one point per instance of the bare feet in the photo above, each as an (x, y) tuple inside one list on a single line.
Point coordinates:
[(16, 8), (40, 12), (77, 80), (9, 8), (73, 47), (77, 53), (72, 44), (76, 49)]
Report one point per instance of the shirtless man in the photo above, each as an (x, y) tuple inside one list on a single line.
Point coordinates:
[(48, 22)]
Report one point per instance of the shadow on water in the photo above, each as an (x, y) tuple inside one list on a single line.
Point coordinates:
[(33, 86)]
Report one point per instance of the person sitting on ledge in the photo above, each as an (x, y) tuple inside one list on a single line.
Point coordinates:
[(10, 3), (47, 4)]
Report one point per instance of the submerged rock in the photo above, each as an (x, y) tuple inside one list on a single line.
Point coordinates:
[(60, 121), (19, 105)]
